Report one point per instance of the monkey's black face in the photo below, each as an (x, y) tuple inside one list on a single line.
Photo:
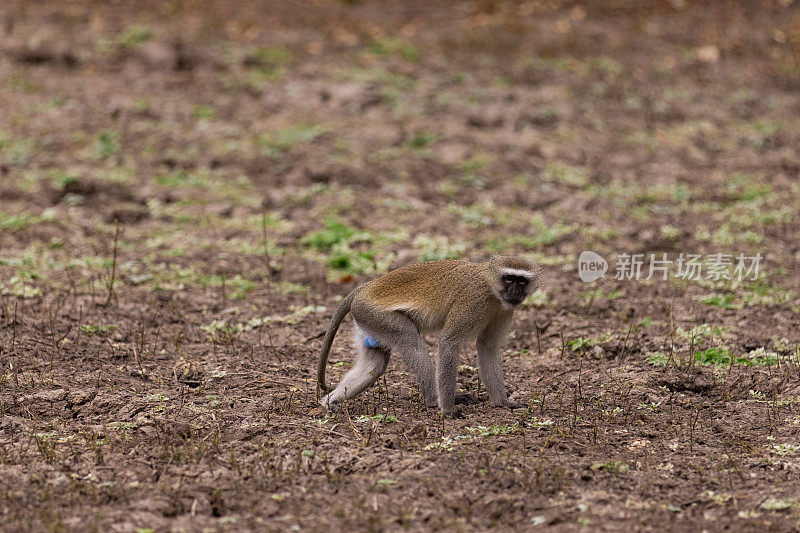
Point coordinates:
[(515, 289)]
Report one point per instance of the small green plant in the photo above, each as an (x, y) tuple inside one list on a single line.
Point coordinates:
[(221, 328), (107, 144), (274, 56), (713, 356), (202, 111), (539, 233), (579, 343), (134, 36), (386, 419), (746, 188), (761, 293), (698, 333), (536, 422), (718, 300), (778, 504), (422, 140), (670, 232), (445, 443), (493, 430), (351, 261), (287, 287), (273, 145), (472, 171), (94, 329), (182, 179), (646, 322), (61, 180), (717, 497), (652, 406), (785, 449), (239, 287), (657, 359), (569, 175), (334, 232), (537, 298), (436, 248), (719, 355), (20, 285), (761, 357), (386, 47), (15, 222), (611, 467)]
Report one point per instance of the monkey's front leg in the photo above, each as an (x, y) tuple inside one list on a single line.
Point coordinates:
[(490, 368), (447, 377)]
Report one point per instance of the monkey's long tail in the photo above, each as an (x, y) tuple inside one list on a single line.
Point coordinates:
[(336, 321)]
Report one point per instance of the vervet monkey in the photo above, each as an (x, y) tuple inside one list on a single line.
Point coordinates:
[(465, 302)]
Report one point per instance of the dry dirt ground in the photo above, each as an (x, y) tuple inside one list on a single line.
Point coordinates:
[(188, 188)]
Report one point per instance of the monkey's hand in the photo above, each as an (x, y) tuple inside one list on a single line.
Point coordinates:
[(511, 404)]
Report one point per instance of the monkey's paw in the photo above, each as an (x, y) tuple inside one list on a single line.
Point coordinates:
[(511, 404), (465, 398), (334, 406)]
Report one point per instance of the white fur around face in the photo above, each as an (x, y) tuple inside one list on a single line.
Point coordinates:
[(516, 272)]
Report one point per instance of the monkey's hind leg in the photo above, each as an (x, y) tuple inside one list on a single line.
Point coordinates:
[(402, 336), (371, 362)]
